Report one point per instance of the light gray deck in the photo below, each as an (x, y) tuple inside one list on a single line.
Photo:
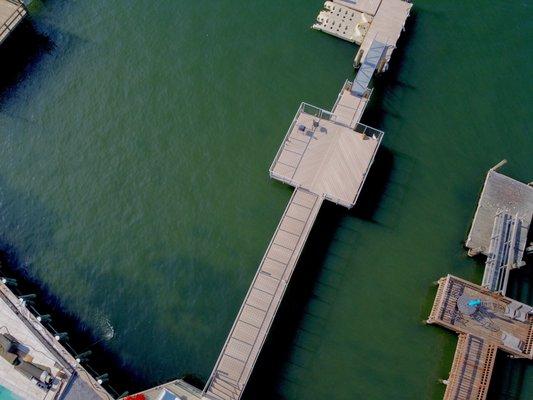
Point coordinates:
[(324, 155), (387, 26), (369, 7), (500, 193), (178, 388), (251, 327), (11, 13), (363, 22)]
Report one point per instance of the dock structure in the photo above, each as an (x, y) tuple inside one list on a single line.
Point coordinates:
[(25, 341), (500, 194), (485, 321), (500, 228), (12, 12), (365, 22), (325, 155), (250, 329)]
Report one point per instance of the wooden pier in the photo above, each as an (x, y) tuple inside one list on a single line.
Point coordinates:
[(251, 327), (485, 322), (471, 369), (11, 13), (483, 317), (363, 22), (325, 155), (323, 158)]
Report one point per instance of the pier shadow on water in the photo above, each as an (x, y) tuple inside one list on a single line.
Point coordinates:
[(20, 54)]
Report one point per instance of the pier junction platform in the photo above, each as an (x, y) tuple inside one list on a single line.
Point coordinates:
[(12, 12), (485, 319)]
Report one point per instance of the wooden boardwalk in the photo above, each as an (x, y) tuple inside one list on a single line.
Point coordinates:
[(251, 327), (11, 13), (325, 155), (485, 322), (471, 369)]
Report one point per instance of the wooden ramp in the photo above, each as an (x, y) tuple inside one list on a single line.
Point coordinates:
[(11, 13), (471, 369), (250, 329)]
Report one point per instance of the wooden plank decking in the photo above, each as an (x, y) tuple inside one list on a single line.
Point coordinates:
[(387, 26), (328, 153), (499, 320), (251, 327), (11, 13), (471, 369)]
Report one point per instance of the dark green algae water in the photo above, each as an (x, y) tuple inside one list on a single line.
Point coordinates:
[(135, 144)]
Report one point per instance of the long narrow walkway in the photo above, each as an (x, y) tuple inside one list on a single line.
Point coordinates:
[(471, 370), (251, 327)]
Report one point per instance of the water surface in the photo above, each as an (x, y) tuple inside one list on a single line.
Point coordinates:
[(135, 147)]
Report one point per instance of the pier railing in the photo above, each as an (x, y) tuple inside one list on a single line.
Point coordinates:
[(368, 131)]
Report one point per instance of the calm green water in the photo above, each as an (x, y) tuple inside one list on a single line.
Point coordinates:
[(134, 184)]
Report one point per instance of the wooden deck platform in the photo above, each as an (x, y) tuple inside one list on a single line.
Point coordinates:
[(349, 107), (328, 153), (11, 13), (500, 193), (363, 22), (499, 320), (250, 329), (471, 369), (387, 25)]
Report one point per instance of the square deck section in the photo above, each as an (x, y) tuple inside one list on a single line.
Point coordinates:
[(468, 308), (325, 156), (500, 194)]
